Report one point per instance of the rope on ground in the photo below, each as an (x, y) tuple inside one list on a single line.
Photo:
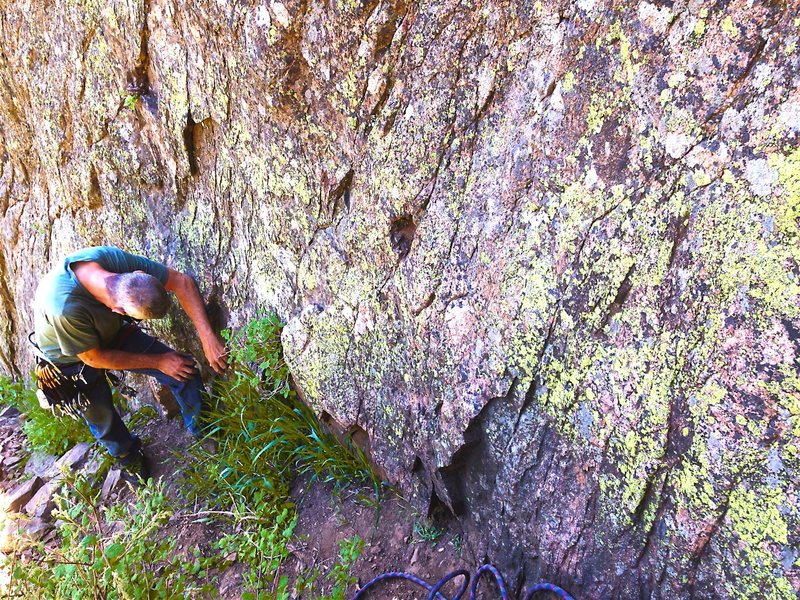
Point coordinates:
[(434, 591)]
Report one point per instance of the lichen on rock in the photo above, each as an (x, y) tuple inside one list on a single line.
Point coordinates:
[(544, 254)]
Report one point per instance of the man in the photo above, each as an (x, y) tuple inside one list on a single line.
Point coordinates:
[(83, 315)]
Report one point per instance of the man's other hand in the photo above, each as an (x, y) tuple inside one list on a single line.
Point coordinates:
[(177, 365), (216, 353)]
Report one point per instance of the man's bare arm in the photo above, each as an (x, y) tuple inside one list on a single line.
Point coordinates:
[(174, 364), (190, 300)]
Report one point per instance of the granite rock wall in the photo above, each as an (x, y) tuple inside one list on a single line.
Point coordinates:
[(542, 258)]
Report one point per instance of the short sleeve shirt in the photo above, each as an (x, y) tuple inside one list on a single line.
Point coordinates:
[(68, 319)]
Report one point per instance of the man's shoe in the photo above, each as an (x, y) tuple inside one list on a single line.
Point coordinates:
[(134, 467)]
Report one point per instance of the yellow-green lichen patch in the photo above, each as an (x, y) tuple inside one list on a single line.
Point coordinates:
[(787, 211), (756, 527), (729, 27), (568, 82), (745, 238), (323, 358)]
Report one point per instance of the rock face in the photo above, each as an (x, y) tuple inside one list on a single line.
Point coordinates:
[(544, 256)]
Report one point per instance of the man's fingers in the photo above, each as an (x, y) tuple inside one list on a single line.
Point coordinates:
[(184, 375), (188, 360), (183, 366)]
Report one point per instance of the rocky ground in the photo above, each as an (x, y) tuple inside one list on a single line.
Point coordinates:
[(395, 536)]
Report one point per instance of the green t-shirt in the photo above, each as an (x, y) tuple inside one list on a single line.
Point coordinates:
[(68, 319)]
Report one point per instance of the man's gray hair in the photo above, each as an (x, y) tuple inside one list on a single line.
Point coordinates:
[(140, 295)]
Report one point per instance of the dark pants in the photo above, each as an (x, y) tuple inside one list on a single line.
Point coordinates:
[(103, 419)]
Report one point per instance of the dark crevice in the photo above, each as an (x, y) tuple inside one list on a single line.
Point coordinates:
[(386, 33), (794, 336), (681, 229), (95, 195), (656, 528), (706, 543), (401, 235), (439, 512), (332, 197), (341, 194), (469, 457), (390, 120), (622, 295), (138, 80), (716, 115), (417, 468), (530, 395), (217, 315), (189, 143), (370, 120), (426, 303), (646, 499)]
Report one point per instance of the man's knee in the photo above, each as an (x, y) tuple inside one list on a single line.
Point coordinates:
[(100, 421)]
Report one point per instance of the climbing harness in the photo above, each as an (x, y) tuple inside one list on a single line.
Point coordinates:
[(434, 590), (56, 391), (65, 395)]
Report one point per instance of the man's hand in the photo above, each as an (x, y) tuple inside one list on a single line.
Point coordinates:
[(214, 349), (177, 365), (188, 295)]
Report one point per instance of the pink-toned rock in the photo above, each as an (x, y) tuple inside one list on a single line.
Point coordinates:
[(42, 504), (21, 494), (112, 479), (71, 459), (11, 461), (35, 529), (40, 464), (8, 412), (92, 466)]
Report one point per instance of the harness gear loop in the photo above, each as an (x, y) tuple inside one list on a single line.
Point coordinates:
[(56, 391)]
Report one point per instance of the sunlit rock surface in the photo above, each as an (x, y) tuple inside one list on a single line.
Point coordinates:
[(542, 258)]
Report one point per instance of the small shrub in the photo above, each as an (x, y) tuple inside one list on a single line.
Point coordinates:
[(342, 572), (130, 101), (265, 437), (115, 552), (45, 432), (263, 532), (338, 578), (265, 434)]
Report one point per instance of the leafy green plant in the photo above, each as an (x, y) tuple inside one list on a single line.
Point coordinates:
[(342, 572), (266, 437), (130, 101), (265, 434), (425, 531), (262, 545), (331, 583), (45, 432), (115, 552)]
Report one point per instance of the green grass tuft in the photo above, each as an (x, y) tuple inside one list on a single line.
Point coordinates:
[(265, 438)]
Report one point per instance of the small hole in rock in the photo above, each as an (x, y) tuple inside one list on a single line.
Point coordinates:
[(401, 235)]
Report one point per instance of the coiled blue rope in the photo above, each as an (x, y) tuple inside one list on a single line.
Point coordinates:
[(434, 590)]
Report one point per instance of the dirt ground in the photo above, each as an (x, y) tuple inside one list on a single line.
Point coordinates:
[(395, 537), (326, 517)]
